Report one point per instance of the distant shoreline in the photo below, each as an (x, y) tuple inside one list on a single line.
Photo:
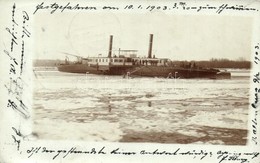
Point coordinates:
[(213, 63)]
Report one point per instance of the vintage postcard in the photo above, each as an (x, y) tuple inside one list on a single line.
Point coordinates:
[(95, 81)]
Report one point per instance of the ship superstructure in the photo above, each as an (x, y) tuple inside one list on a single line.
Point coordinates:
[(128, 63)]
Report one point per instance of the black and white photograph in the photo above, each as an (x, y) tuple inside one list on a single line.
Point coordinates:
[(129, 81), (142, 78)]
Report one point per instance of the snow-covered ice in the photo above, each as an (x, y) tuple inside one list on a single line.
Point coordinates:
[(110, 108)]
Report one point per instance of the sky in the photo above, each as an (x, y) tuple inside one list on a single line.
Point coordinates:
[(177, 37)]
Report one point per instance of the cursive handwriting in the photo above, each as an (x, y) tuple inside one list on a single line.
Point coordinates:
[(25, 32), (55, 6), (13, 63), (119, 151), (15, 87), (256, 58), (184, 6), (201, 154), (222, 156), (22, 109), (17, 142), (64, 152), (16, 83), (256, 100), (255, 103), (157, 152), (12, 31), (255, 113), (256, 78), (17, 137)]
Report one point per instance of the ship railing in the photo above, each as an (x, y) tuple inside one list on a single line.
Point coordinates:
[(137, 69), (119, 63)]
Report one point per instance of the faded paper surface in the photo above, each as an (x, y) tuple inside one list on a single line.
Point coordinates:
[(48, 115)]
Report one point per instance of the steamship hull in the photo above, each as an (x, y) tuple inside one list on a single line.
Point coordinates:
[(154, 71), (78, 68), (146, 71)]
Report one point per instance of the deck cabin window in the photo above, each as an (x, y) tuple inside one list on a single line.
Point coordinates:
[(128, 59)]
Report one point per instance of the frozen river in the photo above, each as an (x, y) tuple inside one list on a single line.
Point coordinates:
[(110, 108)]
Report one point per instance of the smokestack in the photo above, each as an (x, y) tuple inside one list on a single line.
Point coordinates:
[(150, 46), (110, 46)]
